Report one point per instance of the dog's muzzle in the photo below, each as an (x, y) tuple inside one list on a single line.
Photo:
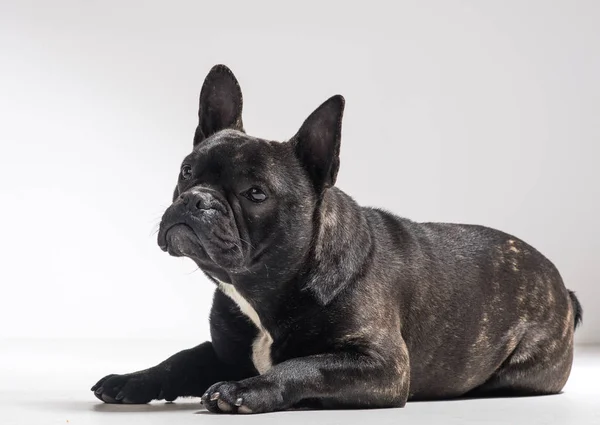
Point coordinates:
[(193, 208), (199, 224)]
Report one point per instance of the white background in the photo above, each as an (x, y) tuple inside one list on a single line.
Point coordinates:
[(461, 111)]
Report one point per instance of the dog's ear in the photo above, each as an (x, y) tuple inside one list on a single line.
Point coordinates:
[(220, 104), (317, 143)]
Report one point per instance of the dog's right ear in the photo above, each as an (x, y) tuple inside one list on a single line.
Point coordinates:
[(220, 104)]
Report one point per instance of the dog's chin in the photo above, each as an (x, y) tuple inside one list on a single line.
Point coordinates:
[(183, 242)]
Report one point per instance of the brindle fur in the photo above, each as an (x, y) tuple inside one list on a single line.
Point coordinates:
[(365, 308)]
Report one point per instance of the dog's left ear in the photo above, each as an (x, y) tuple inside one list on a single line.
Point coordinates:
[(220, 104), (317, 143)]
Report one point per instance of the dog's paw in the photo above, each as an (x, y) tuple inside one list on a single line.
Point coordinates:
[(252, 395), (133, 388)]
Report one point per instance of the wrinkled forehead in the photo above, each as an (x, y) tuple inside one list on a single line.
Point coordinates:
[(233, 154)]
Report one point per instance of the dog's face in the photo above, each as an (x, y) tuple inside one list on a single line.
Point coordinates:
[(245, 205)]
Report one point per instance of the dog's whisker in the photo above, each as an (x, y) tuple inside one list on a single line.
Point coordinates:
[(248, 243), (194, 271)]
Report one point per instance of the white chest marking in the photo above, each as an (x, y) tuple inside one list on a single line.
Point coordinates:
[(261, 347)]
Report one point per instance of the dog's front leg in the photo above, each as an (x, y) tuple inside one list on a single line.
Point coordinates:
[(187, 373), (348, 379)]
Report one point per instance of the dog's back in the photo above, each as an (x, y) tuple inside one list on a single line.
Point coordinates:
[(485, 310)]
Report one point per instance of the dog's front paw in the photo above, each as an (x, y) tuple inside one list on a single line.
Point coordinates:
[(253, 395), (132, 388)]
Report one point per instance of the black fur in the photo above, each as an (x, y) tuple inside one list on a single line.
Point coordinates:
[(578, 309), (327, 304)]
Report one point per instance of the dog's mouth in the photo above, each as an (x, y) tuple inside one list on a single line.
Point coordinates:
[(178, 239), (206, 235)]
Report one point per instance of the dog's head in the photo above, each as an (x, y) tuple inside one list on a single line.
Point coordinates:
[(246, 205)]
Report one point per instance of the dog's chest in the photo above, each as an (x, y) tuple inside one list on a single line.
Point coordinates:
[(261, 347)]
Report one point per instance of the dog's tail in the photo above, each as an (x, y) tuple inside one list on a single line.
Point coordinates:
[(577, 309)]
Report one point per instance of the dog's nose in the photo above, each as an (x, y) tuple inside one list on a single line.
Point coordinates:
[(197, 200)]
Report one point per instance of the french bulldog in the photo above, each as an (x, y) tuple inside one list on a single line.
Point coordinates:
[(322, 303)]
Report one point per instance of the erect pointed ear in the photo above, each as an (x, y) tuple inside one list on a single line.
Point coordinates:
[(220, 104), (317, 143)]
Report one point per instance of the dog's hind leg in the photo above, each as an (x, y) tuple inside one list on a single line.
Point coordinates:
[(539, 365)]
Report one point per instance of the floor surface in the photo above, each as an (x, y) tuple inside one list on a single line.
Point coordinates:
[(47, 382)]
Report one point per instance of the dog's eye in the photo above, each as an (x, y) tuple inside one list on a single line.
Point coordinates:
[(186, 172), (255, 194)]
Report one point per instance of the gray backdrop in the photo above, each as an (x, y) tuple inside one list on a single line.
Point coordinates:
[(461, 111)]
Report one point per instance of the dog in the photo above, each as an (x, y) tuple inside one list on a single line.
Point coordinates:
[(322, 303)]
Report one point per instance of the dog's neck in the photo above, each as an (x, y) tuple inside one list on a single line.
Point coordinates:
[(340, 246)]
